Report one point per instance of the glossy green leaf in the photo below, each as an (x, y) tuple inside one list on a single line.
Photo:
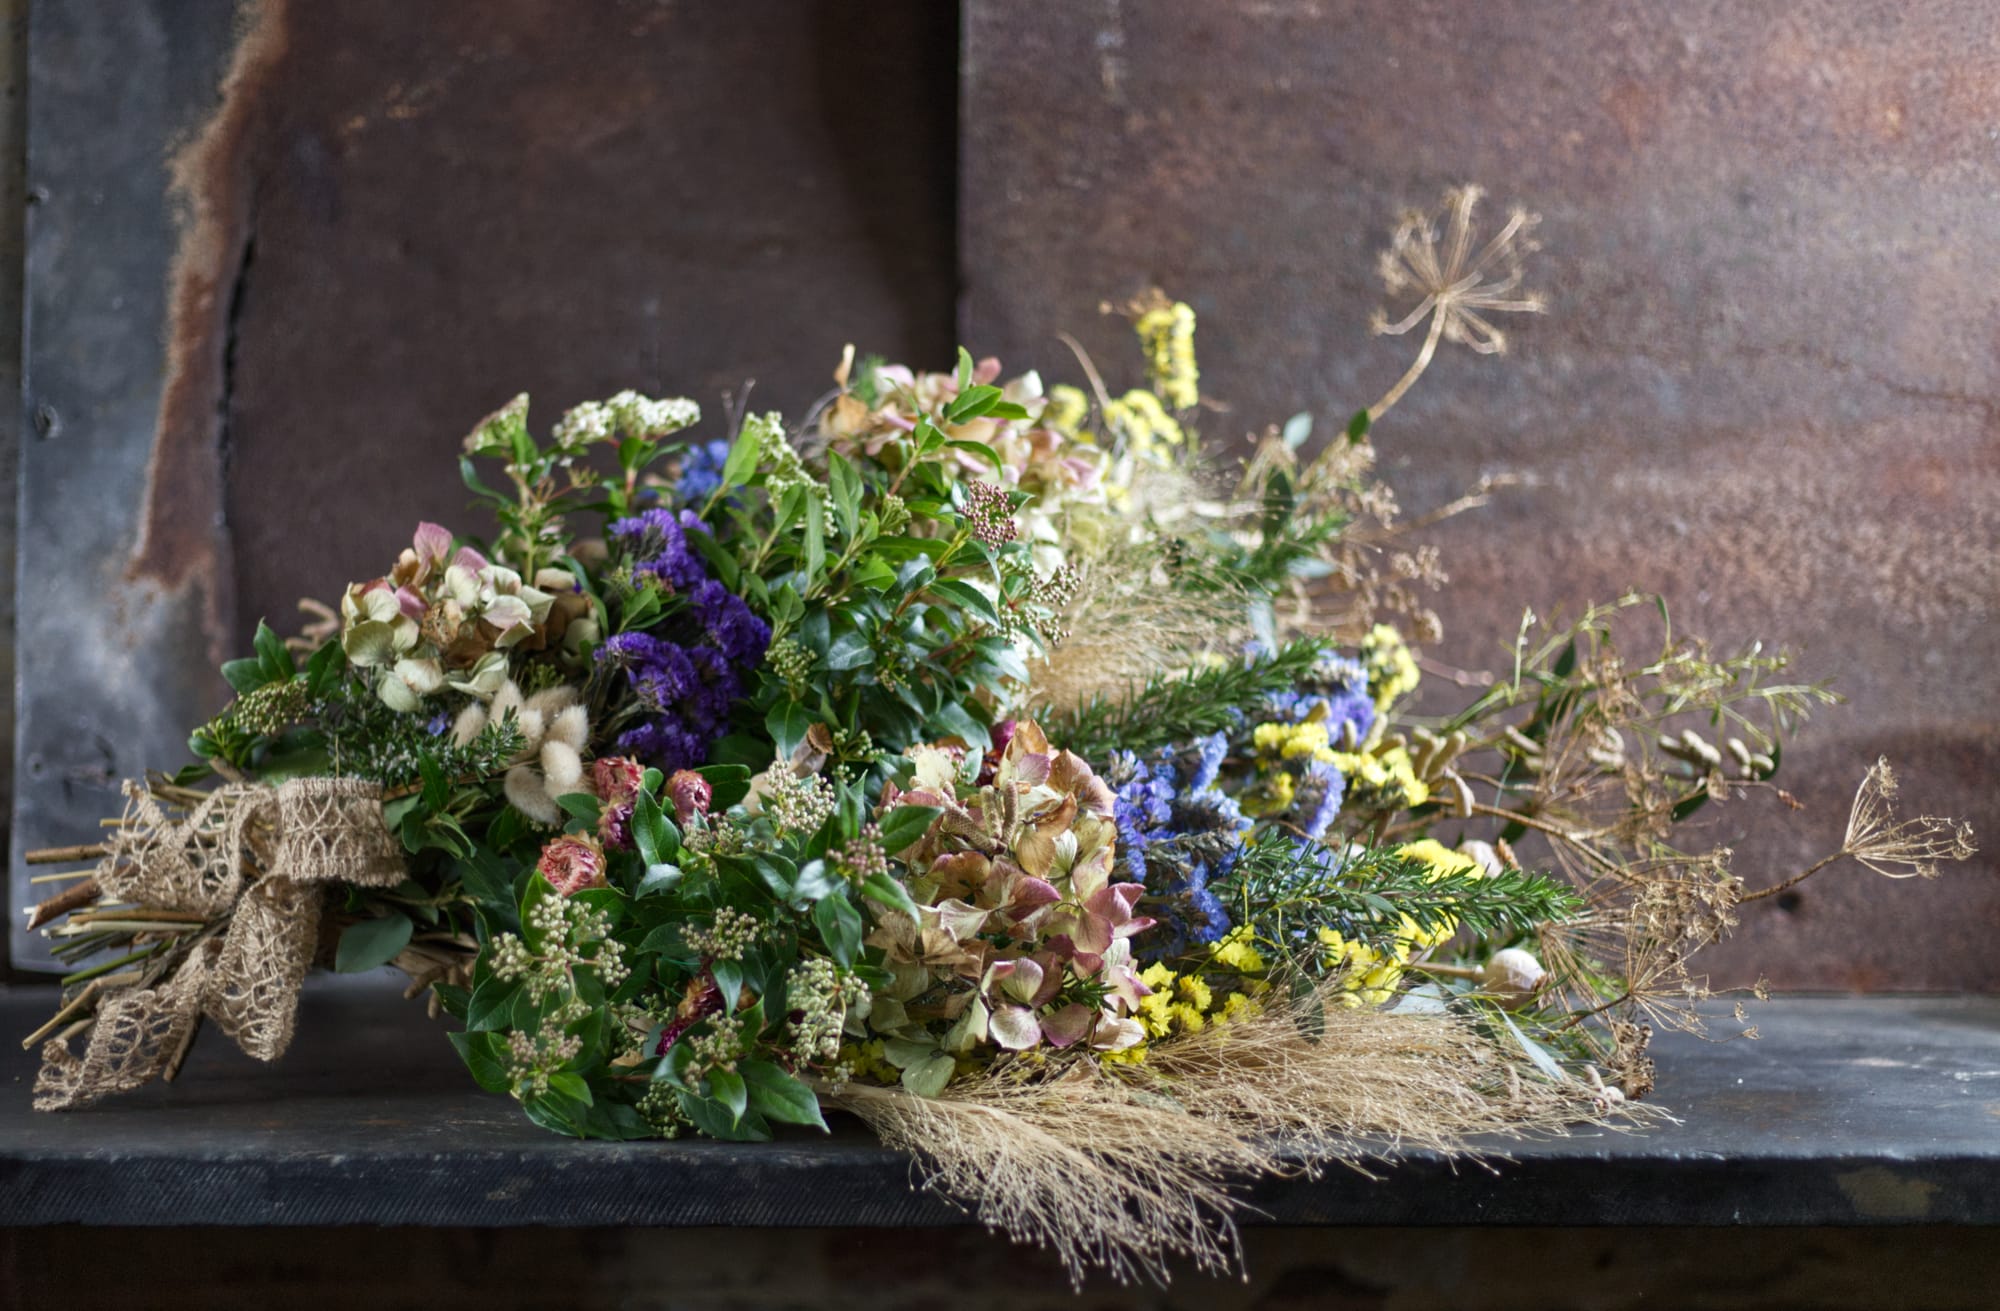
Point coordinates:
[(367, 944)]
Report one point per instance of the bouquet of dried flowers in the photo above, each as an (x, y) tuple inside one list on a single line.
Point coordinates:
[(983, 758)]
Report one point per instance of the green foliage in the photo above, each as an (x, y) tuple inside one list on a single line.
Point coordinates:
[(1172, 709), (1287, 891)]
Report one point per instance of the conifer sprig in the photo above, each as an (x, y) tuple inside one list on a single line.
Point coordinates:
[(1287, 891), (1177, 708)]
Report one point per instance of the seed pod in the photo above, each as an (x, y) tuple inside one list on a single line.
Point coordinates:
[(1424, 754), (1608, 751), (1462, 796), (1699, 745), (1526, 747)]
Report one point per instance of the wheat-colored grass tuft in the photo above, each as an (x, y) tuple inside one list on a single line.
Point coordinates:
[(1131, 1168)]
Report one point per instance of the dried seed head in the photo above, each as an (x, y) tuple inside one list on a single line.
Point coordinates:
[(1435, 257)]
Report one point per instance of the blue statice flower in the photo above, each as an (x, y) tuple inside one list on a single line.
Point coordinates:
[(1335, 693), (701, 471), (655, 541), (1178, 834), (1321, 797)]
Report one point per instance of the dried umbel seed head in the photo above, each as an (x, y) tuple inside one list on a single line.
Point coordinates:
[(1512, 976)]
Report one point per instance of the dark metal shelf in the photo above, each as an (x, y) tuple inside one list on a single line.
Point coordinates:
[(1847, 1111)]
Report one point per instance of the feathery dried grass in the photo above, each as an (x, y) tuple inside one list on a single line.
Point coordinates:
[(1128, 621), (1126, 1168)]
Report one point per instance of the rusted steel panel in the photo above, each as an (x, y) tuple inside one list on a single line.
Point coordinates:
[(457, 202), (1767, 388), (114, 655), (389, 218)]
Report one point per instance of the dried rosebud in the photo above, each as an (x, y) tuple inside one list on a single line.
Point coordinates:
[(571, 864), (690, 794), (614, 827), (616, 779)]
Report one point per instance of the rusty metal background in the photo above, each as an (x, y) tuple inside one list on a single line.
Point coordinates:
[(106, 656), (1769, 386), (384, 220)]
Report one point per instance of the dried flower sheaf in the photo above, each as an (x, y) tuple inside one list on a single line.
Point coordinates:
[(1458, 282)]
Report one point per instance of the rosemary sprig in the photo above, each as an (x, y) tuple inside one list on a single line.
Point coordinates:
[(1287, 891), (1177, 708)]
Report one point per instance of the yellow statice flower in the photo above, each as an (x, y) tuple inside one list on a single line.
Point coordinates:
[(1392, 669), (1389, 775), (1066, 410), (1368, 976), (1196, 993), (1238, 951), (1307, 741), (1179, 1003), (1271, 794), (1167, 332), (1444, 862), (1146, 426)]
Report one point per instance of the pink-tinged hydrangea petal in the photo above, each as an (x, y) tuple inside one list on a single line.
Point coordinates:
[(1020, 979), (1030, 893), (957, 918), (1115, 901), (411, 604), (1015, 1028), (1069, 1025), (470, 560), (1116, 1034), (433, 543), (1092, 935), (1133, 927)]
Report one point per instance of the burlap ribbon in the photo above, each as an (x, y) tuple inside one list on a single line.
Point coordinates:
[(268, 852)]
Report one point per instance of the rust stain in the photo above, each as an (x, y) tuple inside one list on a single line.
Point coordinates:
[(182, 539)]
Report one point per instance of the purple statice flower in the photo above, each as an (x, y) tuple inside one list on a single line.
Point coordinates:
[(655, 541), (685, 691), (729, 623), (439, 724), (701, 471)]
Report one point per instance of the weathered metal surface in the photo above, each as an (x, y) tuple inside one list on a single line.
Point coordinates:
[(454, 203), (13, 187), (113, 660), (387, 219), (1767, 387), (1876, 1111)]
